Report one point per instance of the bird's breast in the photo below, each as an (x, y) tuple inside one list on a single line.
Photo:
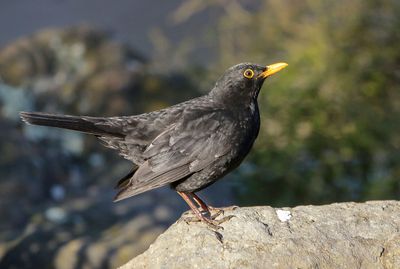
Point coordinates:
[(246, 132)]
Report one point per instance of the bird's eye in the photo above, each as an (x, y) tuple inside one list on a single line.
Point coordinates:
[(248, 73)]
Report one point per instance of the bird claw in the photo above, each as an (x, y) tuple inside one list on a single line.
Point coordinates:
[(224, 219), (220, 211), (211, 222), (215, 224)]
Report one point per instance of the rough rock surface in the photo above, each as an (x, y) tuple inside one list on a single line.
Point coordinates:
[(343, 235)]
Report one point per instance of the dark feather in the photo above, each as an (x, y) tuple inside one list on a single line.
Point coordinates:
[(123, 182), (155, 182), (178, 152), (90, 125)]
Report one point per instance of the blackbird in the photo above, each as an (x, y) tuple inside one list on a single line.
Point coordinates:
[(189, 145)]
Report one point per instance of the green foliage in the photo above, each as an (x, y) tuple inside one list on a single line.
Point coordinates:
[(331, 120)]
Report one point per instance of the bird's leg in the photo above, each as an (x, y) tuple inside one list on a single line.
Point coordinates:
[(186, 197), (209, 208), (200, 202), (206, 207), (210, 222)]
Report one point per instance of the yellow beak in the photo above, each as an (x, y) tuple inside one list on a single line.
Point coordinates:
[(272, 69)]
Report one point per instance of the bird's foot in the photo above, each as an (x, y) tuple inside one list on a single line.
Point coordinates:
[(211, 221), (226, 208), (203, 212), (219, 210)]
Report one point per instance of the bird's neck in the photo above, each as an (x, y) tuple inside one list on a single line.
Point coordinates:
[(232, 99), (241, 107)]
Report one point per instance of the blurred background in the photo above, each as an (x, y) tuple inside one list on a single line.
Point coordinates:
[(330, 121)]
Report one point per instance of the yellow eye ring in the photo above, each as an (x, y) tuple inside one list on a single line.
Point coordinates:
[(248, 73)]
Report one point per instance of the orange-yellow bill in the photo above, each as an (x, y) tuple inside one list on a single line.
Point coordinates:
[(272, 69)]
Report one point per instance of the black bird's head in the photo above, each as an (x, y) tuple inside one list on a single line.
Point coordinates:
[(242, 82)]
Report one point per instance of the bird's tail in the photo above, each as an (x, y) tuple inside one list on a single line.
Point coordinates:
[(90, 125)]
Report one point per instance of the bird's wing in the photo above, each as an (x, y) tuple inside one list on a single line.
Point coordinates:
[(138, 132), (198, 139)]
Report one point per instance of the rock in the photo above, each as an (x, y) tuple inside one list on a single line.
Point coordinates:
[(343, 235)]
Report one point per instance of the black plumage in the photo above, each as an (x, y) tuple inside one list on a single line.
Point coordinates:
[(189, 145)]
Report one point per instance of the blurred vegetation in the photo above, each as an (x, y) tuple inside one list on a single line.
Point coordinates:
[(331, 120), (56, 186)]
